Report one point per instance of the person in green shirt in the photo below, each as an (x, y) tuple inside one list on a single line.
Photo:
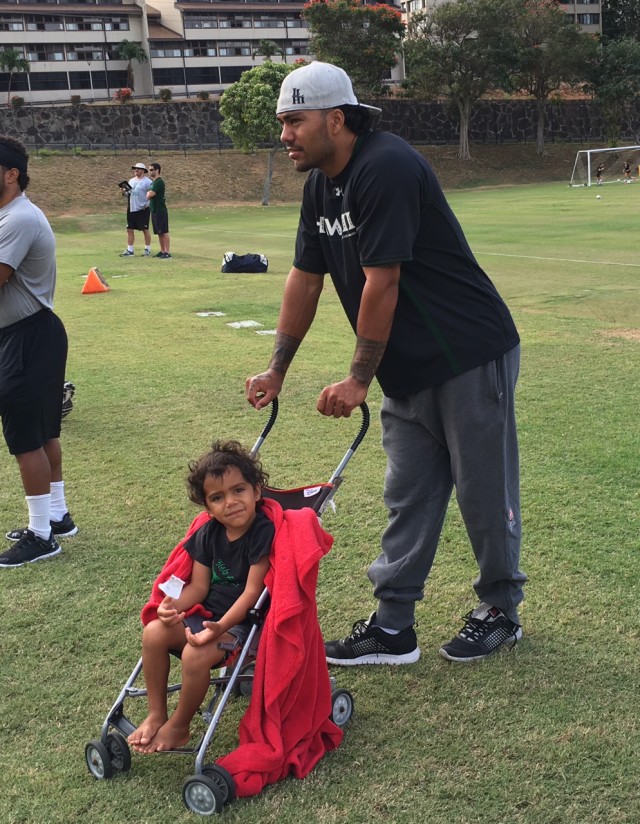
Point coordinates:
[(159, 213)]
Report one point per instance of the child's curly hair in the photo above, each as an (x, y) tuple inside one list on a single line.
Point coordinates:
[(222, 456)]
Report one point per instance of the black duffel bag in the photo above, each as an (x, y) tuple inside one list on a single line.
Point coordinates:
[(244, 263)]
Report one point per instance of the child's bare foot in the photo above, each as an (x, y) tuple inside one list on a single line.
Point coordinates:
[(170, 736), (143, 736)]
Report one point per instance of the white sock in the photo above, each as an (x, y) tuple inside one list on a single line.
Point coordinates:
[(58, 503), (40, 514), (129, 248), (148, 248)]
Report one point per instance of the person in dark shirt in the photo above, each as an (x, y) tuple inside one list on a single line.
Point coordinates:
[(433, 330), (230, 560), (159, 212)]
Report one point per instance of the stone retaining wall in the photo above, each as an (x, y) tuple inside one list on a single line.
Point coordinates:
[(193, 125)]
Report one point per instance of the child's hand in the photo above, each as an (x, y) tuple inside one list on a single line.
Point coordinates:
[(167, 612), (199, 639)]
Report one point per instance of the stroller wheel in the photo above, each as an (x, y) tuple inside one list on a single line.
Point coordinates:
[(223, 779), (341, 707), (202, 795), (119, 751), (98, 760)]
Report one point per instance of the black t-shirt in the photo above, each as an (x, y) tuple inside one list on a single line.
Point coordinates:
[(229, 560), (387, 207)]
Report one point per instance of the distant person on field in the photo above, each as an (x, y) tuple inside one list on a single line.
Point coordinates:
[(33, 356), (230, 560), (627, 172), (599, 172), (159, 213), (433, 330), (137, 209)]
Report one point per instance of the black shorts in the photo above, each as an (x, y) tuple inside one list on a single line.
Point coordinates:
[(160, 222), (33, 358), (138, 220)]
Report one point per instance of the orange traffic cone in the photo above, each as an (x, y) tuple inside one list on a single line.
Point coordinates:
[(95, 282)]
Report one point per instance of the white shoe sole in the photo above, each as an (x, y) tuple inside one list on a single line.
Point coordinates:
[(407, 658), (507, 645), (33, 560)]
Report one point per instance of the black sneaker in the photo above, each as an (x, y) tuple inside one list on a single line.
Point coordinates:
[(368, 644), (61, 529), (487, 629), (29, 549)]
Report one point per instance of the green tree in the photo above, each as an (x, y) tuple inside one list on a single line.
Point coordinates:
[(13, 61), (621, 19), (130, 51), (267, 49), (552, 52), (362, 40), (460, 50), (614, 79), (249, 111)]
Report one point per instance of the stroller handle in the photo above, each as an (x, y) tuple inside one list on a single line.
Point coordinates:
[(364, 426), (267, 427)]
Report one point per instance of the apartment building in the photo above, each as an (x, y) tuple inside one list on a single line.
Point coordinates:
[(585, 13), (193, 45)]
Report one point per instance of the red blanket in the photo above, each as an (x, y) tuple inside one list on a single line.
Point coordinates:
[(286, 728), (180, 564)]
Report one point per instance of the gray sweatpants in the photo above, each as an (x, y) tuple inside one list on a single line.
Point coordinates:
[(460, 433)]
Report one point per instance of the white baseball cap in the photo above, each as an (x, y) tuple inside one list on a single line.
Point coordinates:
[(318, 86), (140, 166)]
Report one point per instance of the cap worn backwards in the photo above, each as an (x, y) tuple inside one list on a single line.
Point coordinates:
[(318, 86)]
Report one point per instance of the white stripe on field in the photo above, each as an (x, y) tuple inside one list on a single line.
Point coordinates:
[(561, 260)]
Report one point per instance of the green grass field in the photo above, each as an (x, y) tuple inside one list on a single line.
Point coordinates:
[(548, 733)]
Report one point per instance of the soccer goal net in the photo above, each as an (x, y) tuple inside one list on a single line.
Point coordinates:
[(598, 166)]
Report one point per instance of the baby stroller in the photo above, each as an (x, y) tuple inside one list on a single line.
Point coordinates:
[(211, 786)]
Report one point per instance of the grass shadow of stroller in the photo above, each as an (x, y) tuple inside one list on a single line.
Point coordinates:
[(212, 785)]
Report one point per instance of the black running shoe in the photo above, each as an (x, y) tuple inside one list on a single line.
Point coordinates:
[(487, 629), (61, 529), (368, 644), (29, 549)]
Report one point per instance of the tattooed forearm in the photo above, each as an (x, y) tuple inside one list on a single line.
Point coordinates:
[(284, 351), (367, 359)]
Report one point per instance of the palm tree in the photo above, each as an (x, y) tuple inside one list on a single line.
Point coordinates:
[(266, 49), (12, 61), (129, 51)]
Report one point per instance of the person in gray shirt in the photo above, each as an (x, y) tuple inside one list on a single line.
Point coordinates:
[(138, 212), (33, 356)]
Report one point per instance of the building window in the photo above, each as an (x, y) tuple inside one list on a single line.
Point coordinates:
[(229, 74), (165, 49), (89, 52), (169, 77), (588, 19), (234, 48), (205, 76), (8, 23), (19, 82), (263, 21), (201, 48), (41, 52), (297, 47), (48, 81), (44, 22), (201, 21), (80, 80), (234, 21)]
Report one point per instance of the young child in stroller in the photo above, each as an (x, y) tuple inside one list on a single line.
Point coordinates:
[(230, 560)]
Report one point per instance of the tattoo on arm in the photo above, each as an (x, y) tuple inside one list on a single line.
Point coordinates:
[(284, 351), (367, 359)]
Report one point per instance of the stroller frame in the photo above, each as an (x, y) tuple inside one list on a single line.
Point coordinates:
[(211, 787)]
